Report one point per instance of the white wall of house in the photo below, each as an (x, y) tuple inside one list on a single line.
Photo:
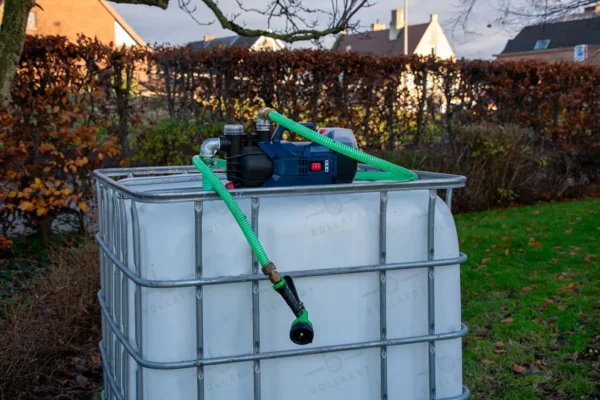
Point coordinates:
[(268, 43), (434, 39), (122, 37)]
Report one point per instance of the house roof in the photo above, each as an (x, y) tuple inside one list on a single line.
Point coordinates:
[(379, 43), (563, 34), (226, 41), (130, 31)]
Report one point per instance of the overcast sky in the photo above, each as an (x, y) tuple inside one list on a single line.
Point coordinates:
[(176, 27)]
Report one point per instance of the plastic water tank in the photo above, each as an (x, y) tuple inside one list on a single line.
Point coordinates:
[(299, 233)]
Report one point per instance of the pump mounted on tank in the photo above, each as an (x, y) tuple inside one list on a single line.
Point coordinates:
[(263, 160)]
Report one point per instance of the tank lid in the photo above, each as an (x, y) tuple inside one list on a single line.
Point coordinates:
[(233, 129)]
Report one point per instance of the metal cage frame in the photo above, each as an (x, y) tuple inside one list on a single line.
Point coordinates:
[(113, 296)]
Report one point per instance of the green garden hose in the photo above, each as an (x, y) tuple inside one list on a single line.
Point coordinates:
[(396, 172), (234, 208), (301, 331)]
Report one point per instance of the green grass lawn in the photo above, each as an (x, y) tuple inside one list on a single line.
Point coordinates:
[(531, 299)]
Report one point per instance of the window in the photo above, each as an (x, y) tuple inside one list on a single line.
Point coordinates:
[(32, 21), (541, 44)]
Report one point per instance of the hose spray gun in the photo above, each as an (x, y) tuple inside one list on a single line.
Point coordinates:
[(263, 159)]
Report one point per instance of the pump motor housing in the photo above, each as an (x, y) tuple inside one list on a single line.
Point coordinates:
[(262, 160)]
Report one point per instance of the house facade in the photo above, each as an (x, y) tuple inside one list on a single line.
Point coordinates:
[(575, 38), (254, 43), (92, 18), (422, 39)]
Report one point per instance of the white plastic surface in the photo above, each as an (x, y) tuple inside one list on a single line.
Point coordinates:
[(298, 233)]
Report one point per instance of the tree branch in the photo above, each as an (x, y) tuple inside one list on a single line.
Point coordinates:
[(339, 21), (154, 3)]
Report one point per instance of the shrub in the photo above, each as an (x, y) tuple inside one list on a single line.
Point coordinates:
[(500, 163), (50, 138), (77, 105), (173, 141), (49, 333)]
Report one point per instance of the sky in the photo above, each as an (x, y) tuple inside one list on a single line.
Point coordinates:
[(174, 26)]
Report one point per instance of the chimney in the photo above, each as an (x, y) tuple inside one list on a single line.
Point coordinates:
[(208, 38), (397, 23), (434, 18), (592, 10), (377, 26)]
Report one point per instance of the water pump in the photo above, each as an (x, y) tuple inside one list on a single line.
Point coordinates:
[(263, 159)]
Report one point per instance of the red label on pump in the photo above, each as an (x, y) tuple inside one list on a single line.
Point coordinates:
[(315, 166)]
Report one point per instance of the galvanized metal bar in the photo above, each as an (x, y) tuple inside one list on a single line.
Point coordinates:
[(158, 284), (117, 288), (101, 266), (431, 290), (138, 299), (110, 378), (255, 207), (274, 354), (383, 200), (449, 198), (125, 292), (437, 181), (190, 169), (463, 396), (198, 211), (109, 281)]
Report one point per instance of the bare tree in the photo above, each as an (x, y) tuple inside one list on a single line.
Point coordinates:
[(301, 23)]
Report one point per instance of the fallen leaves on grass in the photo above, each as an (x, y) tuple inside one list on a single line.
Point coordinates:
[(526, 289), (569, 231), (519, 369), (588, 259), (534, 243), (486, 361), (486, 260), (509, 320)]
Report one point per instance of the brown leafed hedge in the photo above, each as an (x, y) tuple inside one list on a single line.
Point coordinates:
[(80, 106)]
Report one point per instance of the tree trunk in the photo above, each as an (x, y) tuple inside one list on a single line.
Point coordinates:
[(12, 39)]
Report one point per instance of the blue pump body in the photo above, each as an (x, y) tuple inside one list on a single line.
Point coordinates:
[(305, 163)]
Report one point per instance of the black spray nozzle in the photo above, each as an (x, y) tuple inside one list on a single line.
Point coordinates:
[(287, 290), (301, 332)]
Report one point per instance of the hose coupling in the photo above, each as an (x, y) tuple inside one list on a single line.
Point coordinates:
[(263, 113), (270, 271)]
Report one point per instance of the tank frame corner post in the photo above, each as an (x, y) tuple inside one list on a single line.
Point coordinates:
[(255, 208), (383, 201), (199, 295), (119, 275)]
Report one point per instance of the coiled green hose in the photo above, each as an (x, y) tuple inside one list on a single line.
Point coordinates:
[(397, 172), (234, 208)]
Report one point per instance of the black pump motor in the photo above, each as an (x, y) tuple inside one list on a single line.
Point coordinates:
[(265, 160)]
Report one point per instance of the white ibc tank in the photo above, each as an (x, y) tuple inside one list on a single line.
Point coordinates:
[(299, 233)]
